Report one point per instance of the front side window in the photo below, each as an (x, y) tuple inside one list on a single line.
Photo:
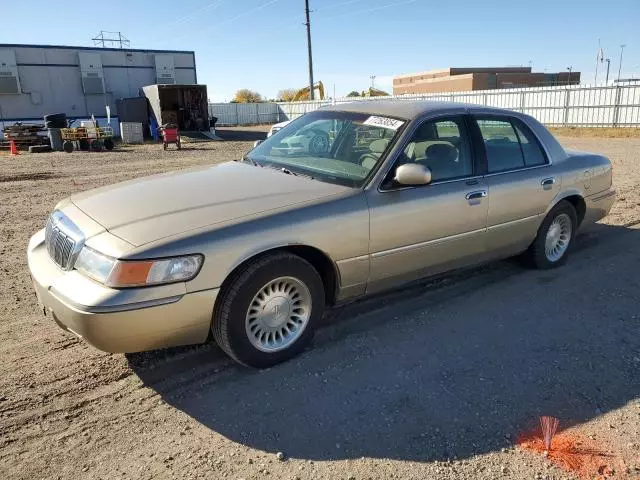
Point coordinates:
[(331, 146), (443, 146)]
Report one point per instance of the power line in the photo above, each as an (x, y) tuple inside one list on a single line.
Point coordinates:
[(380, 7), (232, 19), (212, 5), (338, 5)]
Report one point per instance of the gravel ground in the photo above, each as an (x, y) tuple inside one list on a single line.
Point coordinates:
[(435, 381)]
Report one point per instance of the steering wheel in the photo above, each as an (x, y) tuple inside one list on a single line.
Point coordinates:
[(319, 143)]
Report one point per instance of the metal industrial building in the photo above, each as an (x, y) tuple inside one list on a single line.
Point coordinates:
[(484, 78), (36, 80)]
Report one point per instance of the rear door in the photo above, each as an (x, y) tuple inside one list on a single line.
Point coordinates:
[(520, 183)]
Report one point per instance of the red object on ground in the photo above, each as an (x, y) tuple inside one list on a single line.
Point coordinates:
[(170, 134), (574, 453), (13, 148)]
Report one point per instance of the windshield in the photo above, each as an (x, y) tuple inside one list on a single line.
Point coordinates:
[(335, 147)]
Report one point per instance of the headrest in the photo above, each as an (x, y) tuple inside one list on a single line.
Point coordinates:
[(444, 151), (378, 146)]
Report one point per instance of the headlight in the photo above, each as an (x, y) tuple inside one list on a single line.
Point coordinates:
[(137, 273)]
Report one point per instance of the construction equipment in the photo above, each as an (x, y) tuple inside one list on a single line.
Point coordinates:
[(303, 93), (374, 92)]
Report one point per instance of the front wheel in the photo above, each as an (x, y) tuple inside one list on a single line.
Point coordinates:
[(555, 237), (268, 312)]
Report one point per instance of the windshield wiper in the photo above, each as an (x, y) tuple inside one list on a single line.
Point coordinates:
[(289, 172), (251, 160)]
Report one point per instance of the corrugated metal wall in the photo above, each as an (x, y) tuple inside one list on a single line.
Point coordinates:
[(577, 105)]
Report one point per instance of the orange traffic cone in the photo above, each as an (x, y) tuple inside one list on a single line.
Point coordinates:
[(12, 147)]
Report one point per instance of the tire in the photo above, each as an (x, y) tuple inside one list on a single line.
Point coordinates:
[(67, 146), (233, 321), (84, 144), (96, 146), (55, 120), (108, 144), (563, 215)]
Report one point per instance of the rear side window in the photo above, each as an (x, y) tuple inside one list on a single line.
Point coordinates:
[(501, 144), (509, 144), (531, 149)]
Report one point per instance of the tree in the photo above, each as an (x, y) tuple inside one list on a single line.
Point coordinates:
[(353, 94), (287, 95), (245, 95)]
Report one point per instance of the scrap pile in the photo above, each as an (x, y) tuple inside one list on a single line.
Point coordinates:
[(24, 136)]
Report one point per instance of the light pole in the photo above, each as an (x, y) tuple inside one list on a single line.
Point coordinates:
[(308, 24), (608, 60), (620, 64), (372, 77), (569, 76)]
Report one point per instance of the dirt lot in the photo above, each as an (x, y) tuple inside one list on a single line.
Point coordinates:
[(436, 381)]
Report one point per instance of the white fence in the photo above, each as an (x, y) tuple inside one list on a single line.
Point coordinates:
[(576, 105)]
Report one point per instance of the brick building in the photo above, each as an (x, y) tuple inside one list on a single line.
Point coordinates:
[(465, 79)]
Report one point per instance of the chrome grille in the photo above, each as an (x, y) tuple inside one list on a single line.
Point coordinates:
[(63, 240)]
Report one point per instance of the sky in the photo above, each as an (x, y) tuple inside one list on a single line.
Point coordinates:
[(261, 44)]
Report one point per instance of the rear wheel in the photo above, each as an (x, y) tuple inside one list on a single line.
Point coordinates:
[(555, 237), (67, 146), (96, 146), (269, 311), (108, 143)]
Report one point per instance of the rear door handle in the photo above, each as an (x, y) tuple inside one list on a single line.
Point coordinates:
[(547, 183), (476, 195)]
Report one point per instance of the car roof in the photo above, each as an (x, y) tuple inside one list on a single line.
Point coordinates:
[(407, 109)]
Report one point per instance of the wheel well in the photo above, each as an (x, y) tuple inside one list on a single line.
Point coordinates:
[(579, 204), (318, 259)]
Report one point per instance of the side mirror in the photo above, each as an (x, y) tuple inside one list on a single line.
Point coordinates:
[(413, 174), (257, 142)]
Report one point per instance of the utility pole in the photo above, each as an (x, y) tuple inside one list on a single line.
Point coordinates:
[(608, 60), (308, 25), (620, 64)]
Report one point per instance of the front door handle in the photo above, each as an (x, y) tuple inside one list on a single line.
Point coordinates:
[(476, 195), (547, 183)]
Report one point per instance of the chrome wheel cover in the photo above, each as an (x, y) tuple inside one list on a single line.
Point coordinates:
[(278, 314), (558, 237)]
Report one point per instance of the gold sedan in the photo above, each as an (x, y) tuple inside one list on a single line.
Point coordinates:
[(340, 203)]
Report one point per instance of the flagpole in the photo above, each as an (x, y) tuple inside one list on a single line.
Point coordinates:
[(597, 61)]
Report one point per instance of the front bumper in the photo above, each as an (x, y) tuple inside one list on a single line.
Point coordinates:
[(119, 320)]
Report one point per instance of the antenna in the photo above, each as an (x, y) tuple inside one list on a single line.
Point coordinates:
[(373, 78), (111, 39)]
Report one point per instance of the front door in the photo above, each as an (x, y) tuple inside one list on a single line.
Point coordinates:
[(422, 230)]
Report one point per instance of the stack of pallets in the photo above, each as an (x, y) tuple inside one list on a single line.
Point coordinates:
[(24, 136)]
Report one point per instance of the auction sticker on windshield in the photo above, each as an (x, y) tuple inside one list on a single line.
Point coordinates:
[(384, 122)]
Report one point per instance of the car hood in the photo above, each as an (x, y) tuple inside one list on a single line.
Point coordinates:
[(147, 209)]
